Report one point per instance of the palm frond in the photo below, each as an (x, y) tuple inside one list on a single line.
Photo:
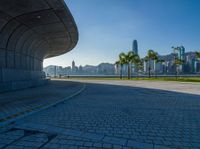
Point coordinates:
[(197, 55)]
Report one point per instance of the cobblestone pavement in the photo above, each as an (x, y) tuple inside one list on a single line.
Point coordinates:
[(111, 116), (18, 103), (182, 87)]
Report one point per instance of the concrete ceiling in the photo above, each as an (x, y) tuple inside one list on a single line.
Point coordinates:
[(40, 28)]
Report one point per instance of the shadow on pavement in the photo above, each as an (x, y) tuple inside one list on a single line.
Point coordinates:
[(121, 116)]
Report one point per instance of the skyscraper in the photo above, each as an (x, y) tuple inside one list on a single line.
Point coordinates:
[(135, 50), (182, 53), (135, 47), (181, 56), (73, 64)]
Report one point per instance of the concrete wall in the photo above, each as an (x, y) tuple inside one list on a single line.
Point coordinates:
[(30, 31)]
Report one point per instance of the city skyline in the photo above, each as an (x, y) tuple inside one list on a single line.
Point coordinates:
[(158, 25), (191, 65), (91, 64)]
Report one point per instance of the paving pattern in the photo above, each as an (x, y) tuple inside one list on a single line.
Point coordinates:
[(19, 103), (182, 87), (111, 116)]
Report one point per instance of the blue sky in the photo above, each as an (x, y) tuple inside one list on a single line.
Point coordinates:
[(108, 27)]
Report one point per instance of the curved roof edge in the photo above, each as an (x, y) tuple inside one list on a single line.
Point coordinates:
[(38, 28)]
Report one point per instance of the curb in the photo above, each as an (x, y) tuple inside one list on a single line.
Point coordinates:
[(10, 121)]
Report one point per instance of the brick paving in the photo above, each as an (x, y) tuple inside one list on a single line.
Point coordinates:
[(111, 116), (18, 103)]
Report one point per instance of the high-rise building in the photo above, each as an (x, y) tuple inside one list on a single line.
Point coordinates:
[(181, 53), (135, 50), (181, 56), (73, 65), (135, 47), (197, 66), (74, 69)]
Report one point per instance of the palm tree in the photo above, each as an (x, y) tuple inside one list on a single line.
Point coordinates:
[(151, 55), (137, 62), (132, 59), (127, 58), (117, 63), (178, 62), (197, 55), (120, 63), (139, 66)]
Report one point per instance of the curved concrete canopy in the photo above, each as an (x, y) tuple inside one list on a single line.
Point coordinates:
[(32, 30)]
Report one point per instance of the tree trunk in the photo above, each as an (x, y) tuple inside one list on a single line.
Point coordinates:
[(129, 71), (137, 74), (149, 69), (155, 68), (149, 72), (121, 69), (163, 71)]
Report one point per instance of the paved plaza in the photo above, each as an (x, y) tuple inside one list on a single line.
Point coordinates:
[(22, 102), (113, 114)]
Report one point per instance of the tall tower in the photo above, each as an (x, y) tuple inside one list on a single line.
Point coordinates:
[(135, 47), (73, 64), (73, 67), (182, 53), (181, 56)]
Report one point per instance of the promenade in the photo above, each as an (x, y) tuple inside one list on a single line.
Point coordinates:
[(109, 114), (20, 103)]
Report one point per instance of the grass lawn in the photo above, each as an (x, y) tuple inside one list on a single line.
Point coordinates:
[(179, 79)]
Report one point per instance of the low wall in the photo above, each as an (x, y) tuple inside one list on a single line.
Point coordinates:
[(12, 79), (12, 86)]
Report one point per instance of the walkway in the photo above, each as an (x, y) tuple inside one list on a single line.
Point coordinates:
[(107, 115), (22, 102)]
